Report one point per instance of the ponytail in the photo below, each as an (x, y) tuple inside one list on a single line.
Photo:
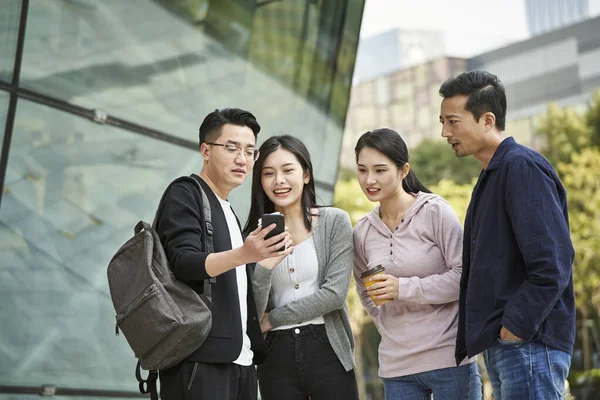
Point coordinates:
[(412, 184)]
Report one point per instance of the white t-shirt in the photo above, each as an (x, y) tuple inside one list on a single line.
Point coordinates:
[(246, 354)]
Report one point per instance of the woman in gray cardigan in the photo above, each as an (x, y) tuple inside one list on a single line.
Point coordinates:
[(308, 331)]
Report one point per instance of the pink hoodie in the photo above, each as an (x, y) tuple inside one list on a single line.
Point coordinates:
[(418, 330)]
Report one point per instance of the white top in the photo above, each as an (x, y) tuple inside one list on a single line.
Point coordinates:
[(295, 277), (246, 354)]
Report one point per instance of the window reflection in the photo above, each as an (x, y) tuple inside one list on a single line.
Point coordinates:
[(74, 191), (10, 12), (4, 99), (164, 63)]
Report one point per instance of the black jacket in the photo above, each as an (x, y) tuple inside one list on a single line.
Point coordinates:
[(180, 228)]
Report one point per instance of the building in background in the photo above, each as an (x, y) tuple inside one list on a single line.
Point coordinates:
[(548, 15), (562, 66), (100, 104), (406, 100), (396, 49)]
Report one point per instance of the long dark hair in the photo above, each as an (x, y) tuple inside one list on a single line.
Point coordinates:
[(389, 143), (261, 204)]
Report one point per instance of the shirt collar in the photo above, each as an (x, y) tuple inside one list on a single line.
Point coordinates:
[(504, 146)]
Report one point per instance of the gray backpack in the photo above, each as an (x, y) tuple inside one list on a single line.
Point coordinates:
[(163, 319)]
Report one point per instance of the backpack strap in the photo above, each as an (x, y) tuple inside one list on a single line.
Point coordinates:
[(147, 385), (207, 239)]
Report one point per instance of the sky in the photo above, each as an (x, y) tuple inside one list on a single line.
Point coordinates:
[(470, 26)]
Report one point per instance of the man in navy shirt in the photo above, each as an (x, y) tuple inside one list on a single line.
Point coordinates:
[(517, 304)]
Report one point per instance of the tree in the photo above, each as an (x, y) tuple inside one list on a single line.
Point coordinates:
[(457, 195), (581, 178), (564, 132), (592, 119), (349, 197), (434, 160), (572, 145)]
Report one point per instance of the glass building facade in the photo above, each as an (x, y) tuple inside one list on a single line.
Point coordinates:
[(547, 15), (100, 102)]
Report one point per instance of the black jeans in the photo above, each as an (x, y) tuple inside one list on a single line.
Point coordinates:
[(201, 381), (301, 364)]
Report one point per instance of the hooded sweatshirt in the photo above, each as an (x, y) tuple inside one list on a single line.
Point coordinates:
[(418, 330)]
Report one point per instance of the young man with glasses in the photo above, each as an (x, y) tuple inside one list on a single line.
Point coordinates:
[(223, 366)]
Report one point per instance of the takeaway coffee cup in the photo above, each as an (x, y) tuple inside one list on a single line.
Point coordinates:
[(365, 276)]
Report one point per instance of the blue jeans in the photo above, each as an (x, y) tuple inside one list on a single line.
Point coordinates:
[(454, 383), (526, 370)]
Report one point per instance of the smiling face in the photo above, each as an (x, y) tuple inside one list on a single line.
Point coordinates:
[(464, 134), (378, 176), (283, 179), (229, 170)]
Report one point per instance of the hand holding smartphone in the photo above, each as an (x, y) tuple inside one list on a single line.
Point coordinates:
[(277, 219)]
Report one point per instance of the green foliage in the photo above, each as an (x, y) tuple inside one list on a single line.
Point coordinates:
[(584, 381), (564, 132), (434, 160), (581, 178), (457, 195), (349, 197), (592, 119)]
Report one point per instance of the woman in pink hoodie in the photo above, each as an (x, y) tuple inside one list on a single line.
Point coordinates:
[(416, 236)]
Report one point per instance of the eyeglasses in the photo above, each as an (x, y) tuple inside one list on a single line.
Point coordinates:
[(234, 151)]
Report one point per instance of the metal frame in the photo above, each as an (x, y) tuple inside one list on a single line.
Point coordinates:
[(12, 105), (50, 391)]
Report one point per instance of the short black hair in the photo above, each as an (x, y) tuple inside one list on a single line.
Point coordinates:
[(484, 91), (213, 122)]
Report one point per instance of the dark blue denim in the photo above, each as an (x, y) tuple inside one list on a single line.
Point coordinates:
[(301, 364), (526, 370), (455, 383)]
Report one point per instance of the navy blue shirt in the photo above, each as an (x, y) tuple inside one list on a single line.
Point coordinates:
[(517, 255)]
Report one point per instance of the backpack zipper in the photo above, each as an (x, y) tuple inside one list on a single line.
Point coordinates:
[(136, 303), (193, 375)]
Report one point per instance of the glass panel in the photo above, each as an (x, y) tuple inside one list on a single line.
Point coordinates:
[(57, 397), (4, 99), (74, 191), (166, 63), (10, 13)]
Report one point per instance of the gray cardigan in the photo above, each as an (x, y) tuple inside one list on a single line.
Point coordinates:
[(332, 234)]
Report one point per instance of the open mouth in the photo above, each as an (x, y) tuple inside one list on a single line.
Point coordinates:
[(281, 192), (373, 190), (454, 145)]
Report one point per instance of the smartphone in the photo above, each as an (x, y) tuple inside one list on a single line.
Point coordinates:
[(277, 219)]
